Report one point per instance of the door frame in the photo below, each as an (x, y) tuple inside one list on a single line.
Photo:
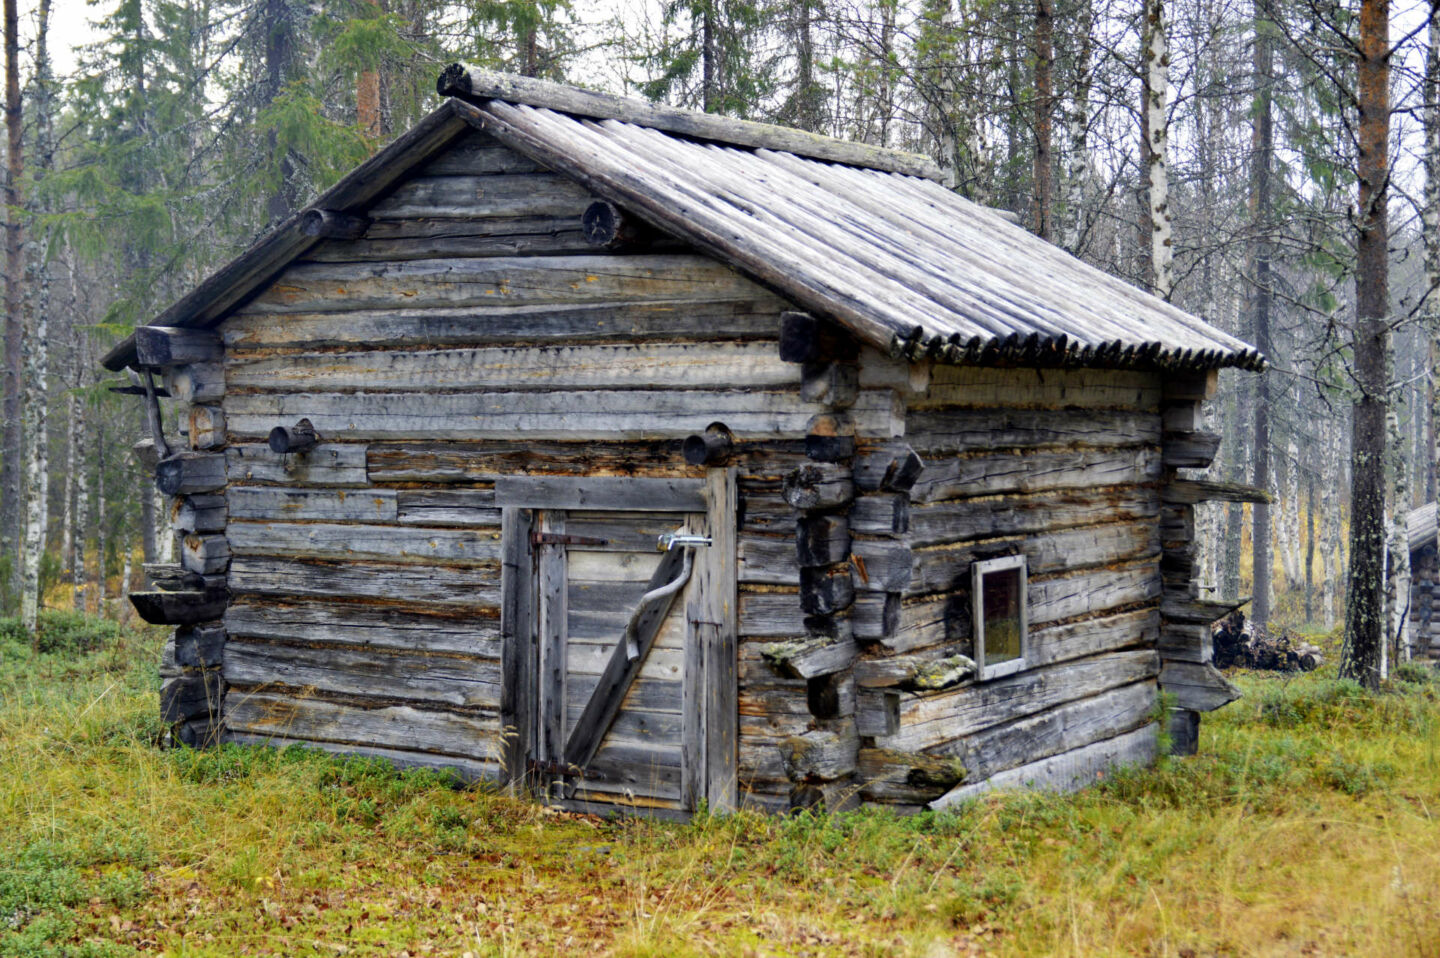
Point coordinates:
[(710, 700)]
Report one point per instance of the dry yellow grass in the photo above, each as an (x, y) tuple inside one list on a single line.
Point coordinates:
[(1306, 827)]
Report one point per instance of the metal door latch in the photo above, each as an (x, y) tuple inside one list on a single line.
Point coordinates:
[(670, 540)]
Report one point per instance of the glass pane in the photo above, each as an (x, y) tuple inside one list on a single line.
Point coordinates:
[(1001, 590)]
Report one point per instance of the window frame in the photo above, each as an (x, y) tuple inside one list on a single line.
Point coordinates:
[(979, 570)]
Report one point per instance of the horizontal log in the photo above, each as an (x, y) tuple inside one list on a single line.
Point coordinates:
[(947, 432), (328, 464), (988, 475), (282, 504), (933, 719), (881, 513), (819, 486), (477, 153), (834, 382), (333, 540), (883, 565), (196, 382), (1197, 685), (1187, 642), (187, 473), (296, 438), (207, 427), (938, 668), (179, 608), (877, 712), (199, 646), (1189, 450), (1067, 771), (609, 493), (330, 224), (822, 540), (979, 387), (324, 621), (826, 591), (161, 346), (890, 467), (492, 194), (308, 718), (935, 523), (913, 778), (492, 281), (192, 695), (630, 414), (1211, 490), (199, 513), (370, 673), (698, 317), (812, 656), (603, 365), (448, 507), (205, 554), (468, 586), (427, 237), (466, 770), (771, 614), (822, 755)]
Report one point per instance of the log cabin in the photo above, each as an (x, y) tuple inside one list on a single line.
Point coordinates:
[(643, 459), (1422, 625)]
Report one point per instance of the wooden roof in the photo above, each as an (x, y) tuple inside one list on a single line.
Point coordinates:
[(862, 235)]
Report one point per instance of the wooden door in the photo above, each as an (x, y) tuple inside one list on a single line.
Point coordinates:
[(622, 691)]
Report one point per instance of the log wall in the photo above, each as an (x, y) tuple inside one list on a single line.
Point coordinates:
[(1425, 601)]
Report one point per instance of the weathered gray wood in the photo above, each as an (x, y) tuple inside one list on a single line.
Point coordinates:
[(448, 507), (468, 586), (633, 414), (519, 657), (196, 383), (191, 695), (166, 576), (179, 608), (883, 565), (550, 659), (771, 613), (709, 448), (282, 505), (475, 153), (1036, 472), (621, 670), (207, 427), (309, 718), (434, 237), (1211, 490), (705, 314), (495, 368), (296, 438), (325, 621), (809, 339), (1198, 686), (941, 432), (1190, 450), (942, 568), (619, 494), (187, 473), (1186, 642), (608, 227), (334, 540), (205, 554), (479, 462), (935, 718), (1193, 386), (932, 669), (1067, 771), (816, 654), (957, 520), (980, 387), (162, 346), (493, 194), (881, 513), (827, 590), (202, 513), (836, 383), (819, 486), (373, 674), (493, 281), (718, 633), (199, 646), (329, 224), (913, 778), (146, 453), (1184, 727), (1061, 729), (877, 712), (821, 755), (822, 540), (475, 83), (328, 464), (889, 468)]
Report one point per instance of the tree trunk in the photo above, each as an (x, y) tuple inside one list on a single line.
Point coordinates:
[(11, 477), (280, 43), (1156, 56), (1044, 119), (1430, 218), (1309, 548), (1263, 146), (1397, 580), (1365, 603), (710, 57)]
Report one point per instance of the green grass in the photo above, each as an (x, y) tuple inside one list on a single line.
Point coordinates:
[(1306, 826)]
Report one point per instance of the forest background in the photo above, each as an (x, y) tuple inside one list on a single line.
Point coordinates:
[(1269, 165)]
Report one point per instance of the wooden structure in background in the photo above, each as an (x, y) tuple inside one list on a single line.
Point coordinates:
[(437, 422), (1422, 627)]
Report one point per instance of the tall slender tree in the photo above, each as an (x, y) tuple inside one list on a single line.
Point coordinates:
[(1262, 153)]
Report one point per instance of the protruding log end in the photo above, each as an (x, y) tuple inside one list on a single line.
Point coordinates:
[(296, 438), (454, 81), (609, 227), (806, 339), (328, 224), (710, 448)]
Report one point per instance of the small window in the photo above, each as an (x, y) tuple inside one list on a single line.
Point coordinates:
[(1002, 638)]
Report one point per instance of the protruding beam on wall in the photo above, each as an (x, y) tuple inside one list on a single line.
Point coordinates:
[(710, 448), (161, 346), (330, 224), (296, 438), (806, 339)]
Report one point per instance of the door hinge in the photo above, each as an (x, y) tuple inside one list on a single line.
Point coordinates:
[(561, 539)]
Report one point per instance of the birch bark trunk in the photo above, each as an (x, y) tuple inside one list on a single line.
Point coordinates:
[(1157, 135)]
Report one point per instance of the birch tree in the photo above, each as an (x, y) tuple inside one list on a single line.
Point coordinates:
[(1156, 52)]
